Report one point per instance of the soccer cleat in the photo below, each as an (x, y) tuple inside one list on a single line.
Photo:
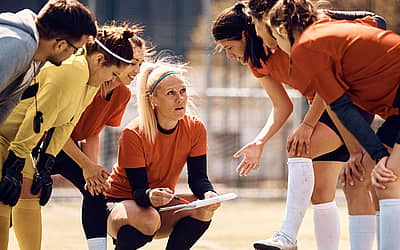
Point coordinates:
[(279, 241)]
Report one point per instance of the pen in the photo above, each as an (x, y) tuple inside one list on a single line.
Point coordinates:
[(178, 198)]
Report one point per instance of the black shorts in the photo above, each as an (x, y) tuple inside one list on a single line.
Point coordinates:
[(341, 153), (389, 132)]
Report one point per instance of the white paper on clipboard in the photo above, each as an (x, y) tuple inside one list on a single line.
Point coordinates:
[(200, 203)]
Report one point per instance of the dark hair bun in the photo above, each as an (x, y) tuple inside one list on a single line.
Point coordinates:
[(127, 34), (239, 6)]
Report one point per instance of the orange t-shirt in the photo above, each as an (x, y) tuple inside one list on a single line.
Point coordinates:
[(345, 57), (164, 160), (277, 66), (101, 113)]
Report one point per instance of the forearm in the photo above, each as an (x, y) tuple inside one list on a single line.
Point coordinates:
[(349, 140), (276, 120), (74, 152), (315, 111), (354, 122), (197, 176), (137, 178), (91, 147), (282, 107)]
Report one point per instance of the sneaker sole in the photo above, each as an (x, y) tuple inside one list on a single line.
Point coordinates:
[(258, 246), (264, 247)]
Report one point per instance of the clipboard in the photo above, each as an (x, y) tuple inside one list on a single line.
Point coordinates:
[(200, 203)]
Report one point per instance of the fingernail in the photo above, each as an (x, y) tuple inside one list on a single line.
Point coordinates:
[(361, 179), (351, 183)]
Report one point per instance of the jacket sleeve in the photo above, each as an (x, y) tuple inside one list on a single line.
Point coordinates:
[(16, 55)]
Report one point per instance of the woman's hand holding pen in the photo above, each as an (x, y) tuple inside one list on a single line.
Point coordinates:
[(160, 196)]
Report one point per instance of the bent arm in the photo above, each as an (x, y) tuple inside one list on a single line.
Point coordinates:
[(315, 111), (73, 151), (282, 107), (197, 176), (91, 147), (355, 123)]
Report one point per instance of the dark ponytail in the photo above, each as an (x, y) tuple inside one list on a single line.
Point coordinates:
[(231, 23)]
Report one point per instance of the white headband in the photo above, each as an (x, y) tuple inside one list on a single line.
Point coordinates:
[(112, 53)]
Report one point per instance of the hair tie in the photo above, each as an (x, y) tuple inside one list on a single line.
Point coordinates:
[(160, 79)]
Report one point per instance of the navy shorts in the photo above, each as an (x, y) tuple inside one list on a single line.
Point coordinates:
[(341, 153), (389, 131)]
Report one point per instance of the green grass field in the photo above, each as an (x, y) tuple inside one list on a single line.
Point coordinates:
[(236, 224)]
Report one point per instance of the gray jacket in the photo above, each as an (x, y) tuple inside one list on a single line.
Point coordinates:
[(19, 40)]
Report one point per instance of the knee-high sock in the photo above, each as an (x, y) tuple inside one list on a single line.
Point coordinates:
[(186, 232), (300, 187), (94, 221), (378, 229), (326, 226), (27, 223), (129, 238), (389, 224), (5, 215), (362, 231)]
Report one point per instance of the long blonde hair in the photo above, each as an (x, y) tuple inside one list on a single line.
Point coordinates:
[(149, 75)]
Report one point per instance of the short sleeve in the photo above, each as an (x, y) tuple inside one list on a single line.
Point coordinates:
[(199, 145), (321, 74), (255, 72), (329, 86), (131, 151), (116, 117)]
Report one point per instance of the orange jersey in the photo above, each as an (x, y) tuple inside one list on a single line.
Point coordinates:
[(101, 113), (277, 66), (346, 57), (164, 160)]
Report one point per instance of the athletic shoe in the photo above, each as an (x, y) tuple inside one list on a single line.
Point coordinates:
[(279, 241)]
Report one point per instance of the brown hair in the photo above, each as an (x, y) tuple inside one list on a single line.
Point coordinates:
[(119, 40), (231, 23), (293, 15), (65, 19), (257, 8)]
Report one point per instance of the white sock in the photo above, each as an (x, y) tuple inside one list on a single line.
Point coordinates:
[(362, 231), (300, 187), (389, 224), (326, 226), (378, 230), (99, 243)]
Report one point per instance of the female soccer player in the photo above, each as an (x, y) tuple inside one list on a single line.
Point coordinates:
[(233, 30), (348, 70), (64, 93), (153, 150), (80, 164)]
